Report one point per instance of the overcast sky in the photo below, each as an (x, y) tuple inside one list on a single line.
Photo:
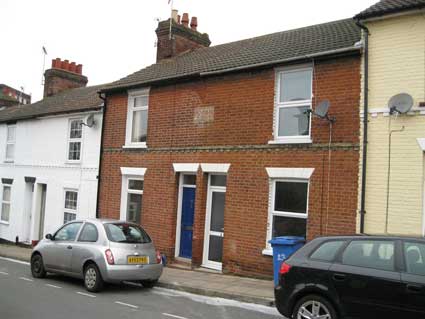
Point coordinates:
[(114, 38)]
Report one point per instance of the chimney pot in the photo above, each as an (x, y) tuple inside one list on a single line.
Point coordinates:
[(58, 63), (65, 65), (174, 14), (72, 67), (79, 69), (194, 23), (185, 19), (53, 63)]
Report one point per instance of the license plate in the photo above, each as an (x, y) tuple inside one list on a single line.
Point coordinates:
[(138, 260)]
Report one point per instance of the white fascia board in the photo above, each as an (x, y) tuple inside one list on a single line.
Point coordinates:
[(138, 171), (215, 168), (285, 172), (185, 167)]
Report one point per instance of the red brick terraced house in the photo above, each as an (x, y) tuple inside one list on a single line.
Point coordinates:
[(214, 150)]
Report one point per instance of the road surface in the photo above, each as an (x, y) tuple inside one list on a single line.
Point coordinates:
[(58, 297)]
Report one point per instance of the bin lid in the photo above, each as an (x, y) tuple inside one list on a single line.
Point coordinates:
[(287, 240)]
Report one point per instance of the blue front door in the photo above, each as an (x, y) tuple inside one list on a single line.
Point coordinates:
[(188, 211)]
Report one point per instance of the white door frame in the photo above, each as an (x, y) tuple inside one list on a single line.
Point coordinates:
[(205, 262), (29, 191), (179, 212)]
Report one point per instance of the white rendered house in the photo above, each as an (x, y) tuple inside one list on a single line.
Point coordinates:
[(49, 156)]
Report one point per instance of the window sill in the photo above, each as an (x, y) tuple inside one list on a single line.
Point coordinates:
[(2, 222), (289, 140), (267, 252), (73, 162), (135, 146)]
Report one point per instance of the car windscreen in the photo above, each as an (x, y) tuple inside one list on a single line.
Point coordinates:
[(126, 233)]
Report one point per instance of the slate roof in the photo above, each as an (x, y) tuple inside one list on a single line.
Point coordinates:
[(385, 7), (268, 49), (68, 101)]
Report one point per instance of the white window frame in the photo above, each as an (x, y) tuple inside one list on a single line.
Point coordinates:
[(133, 174), (70, 210), (272, 212), (132, 95), (74, 140), (278, 105), (5, 222), (10, 142)]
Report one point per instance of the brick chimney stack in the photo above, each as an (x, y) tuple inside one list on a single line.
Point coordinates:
[(63, 76), (183, 36)]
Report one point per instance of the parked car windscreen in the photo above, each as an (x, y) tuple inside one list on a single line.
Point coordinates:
[(126, 233)]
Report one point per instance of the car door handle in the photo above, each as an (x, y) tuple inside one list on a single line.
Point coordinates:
[(414, 288), (69, 247), (339, 277)]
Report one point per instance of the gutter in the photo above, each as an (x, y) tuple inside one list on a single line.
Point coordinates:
[(239, 68), (365, 124), (99, 171)]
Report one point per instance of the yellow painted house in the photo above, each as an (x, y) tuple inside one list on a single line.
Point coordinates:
[(394, 201)]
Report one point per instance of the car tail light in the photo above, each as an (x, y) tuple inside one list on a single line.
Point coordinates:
[(109, 257), (284, 268), (158, 257)]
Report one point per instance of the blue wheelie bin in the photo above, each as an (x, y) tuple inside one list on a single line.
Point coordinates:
[(283, 247)]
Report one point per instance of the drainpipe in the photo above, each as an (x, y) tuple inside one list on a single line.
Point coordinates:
[(103, 98), (365, 122)]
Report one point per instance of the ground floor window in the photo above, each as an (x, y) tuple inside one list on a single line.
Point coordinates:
[(289, 208), (71, 205), (131, 200), (5, 202)]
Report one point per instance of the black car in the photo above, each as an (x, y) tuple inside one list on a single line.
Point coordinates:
[(354, 277)]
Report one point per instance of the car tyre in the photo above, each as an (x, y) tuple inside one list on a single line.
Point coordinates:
[(92, 278), (313, 306), (37, 266), (149, 283)]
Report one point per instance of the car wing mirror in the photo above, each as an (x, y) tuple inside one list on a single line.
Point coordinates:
[(49, 236)]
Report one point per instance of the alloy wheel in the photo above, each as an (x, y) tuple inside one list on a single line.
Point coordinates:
[(313, 309), (90, 278)]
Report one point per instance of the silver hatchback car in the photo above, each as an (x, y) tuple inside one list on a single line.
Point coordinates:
[(98, 251)]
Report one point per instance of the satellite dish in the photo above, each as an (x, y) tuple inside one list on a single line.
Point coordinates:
[(322, 109), (400, 103), (90, 120)]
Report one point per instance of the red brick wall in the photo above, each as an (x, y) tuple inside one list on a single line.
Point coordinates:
[(243, 115)]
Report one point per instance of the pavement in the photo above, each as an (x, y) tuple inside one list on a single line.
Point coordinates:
[(248, 290), (59, 297)]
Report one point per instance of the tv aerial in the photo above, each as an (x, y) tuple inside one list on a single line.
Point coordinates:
[(400, 103)]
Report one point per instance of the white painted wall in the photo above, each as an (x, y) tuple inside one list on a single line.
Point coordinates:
[(41, 152)]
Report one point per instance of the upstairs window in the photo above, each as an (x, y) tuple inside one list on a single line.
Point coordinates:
[(75, 140), (71, 204), (293, 102), (137, 118), (10, 143)]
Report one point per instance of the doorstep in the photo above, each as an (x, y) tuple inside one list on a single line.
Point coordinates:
[(194, 281)]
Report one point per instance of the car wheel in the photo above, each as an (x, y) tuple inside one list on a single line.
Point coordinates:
[(37, 266), (149, 283), (92, 278), (314, 307)]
